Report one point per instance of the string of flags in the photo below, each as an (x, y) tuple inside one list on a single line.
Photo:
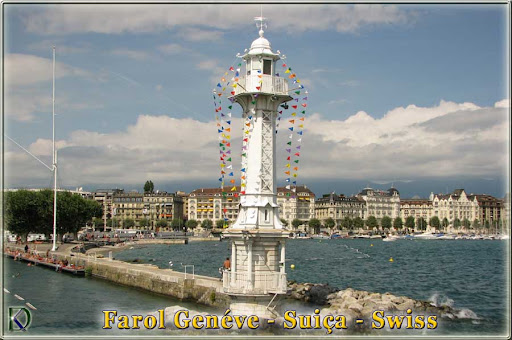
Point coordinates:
[(223, 104), (293, 115)]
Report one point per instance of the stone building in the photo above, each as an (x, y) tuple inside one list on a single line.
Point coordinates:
[(106, 197), (162, 205), (416, 208), (152, 206), (380, 203), (208, 203), (455, 205), (338, 207), (296, 203)]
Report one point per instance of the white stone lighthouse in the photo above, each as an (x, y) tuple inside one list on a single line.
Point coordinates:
[(257, 276)]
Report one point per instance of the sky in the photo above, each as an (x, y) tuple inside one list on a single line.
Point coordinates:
[(414, 96)]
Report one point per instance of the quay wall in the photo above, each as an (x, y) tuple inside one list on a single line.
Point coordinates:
[(183, 286), (187, 287)]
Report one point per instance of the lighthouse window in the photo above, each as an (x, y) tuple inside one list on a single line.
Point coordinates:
[(267, 66), (266, 215)]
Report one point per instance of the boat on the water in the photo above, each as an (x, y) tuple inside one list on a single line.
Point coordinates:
[(391, 238), (426, 236), (320, 236)]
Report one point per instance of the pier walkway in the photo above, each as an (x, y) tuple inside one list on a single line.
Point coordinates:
[(182, 285)]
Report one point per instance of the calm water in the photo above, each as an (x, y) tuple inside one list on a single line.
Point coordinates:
[(469, 275)]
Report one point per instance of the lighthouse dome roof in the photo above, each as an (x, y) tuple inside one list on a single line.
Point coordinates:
[(261, 46)]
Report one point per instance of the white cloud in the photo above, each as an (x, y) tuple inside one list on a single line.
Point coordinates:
[(132, 54), (505, 103), (450, 139), (197, 34), (337, 101), (171, 49), (25, 69), (66, 19)]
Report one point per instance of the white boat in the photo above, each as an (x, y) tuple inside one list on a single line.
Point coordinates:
[(390, 238), (426, 236), (447, 237), (320, 236)]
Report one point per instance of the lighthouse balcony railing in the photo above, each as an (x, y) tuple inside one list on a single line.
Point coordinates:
[(260, 283), (261, 83)]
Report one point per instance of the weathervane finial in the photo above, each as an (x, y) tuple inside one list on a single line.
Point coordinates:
[(261, 24)]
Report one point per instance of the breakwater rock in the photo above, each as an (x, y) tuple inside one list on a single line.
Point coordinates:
[(358, 304)]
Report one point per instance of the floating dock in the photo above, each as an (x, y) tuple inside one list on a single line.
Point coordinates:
[(56, 267)]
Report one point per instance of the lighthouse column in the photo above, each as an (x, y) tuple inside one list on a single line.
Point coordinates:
[(258, 237)]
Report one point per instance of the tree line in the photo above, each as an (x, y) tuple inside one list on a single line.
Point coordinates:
[(32, 212), (387, 222)]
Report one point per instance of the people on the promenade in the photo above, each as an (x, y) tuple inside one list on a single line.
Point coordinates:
[(227, 264)]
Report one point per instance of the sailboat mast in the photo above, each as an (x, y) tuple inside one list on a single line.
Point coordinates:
[(54, 161)]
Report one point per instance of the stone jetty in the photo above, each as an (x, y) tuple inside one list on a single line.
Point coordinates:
[(359, 304)]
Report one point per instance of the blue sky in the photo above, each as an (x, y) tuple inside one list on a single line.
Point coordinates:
[(134, 88)]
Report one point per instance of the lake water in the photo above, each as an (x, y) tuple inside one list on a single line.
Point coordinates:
[(470, 275)]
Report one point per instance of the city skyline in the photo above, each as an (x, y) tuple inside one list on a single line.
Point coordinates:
[(411, 95)]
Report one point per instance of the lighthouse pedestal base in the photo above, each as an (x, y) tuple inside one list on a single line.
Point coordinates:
[(253, 305), (257, 277)]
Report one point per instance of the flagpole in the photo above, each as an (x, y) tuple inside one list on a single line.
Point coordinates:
[(54, 247)]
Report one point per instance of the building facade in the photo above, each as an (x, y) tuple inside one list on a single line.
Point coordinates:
[(455, 205), (380, 203), (162, 206), (296, 203), (152, 206), (338, 207), (105, 197), (416, 208), (209, 203)]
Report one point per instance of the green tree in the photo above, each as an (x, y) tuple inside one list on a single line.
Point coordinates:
[(371, 222), (330, 224), (466, 223), (46, 212), (409, 222), (176, 224), (315, 224), (191, 224), (113, 223), (162, 223), (358, 222), (149, 187), (97, 222), (144, 223), (456, 223), (284, 222), (22, 214), (296, 223), (445, 223), (476, 224), (386, 222), (128, 223), (207, 224), (398, 223), (434, 222), (422, 224), (75, 212), (487, 225), (346, 222)]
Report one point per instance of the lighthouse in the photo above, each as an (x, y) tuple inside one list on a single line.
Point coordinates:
[(258, 238)]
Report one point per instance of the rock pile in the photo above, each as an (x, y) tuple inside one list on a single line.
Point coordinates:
[(313, 293), (356, 304)]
